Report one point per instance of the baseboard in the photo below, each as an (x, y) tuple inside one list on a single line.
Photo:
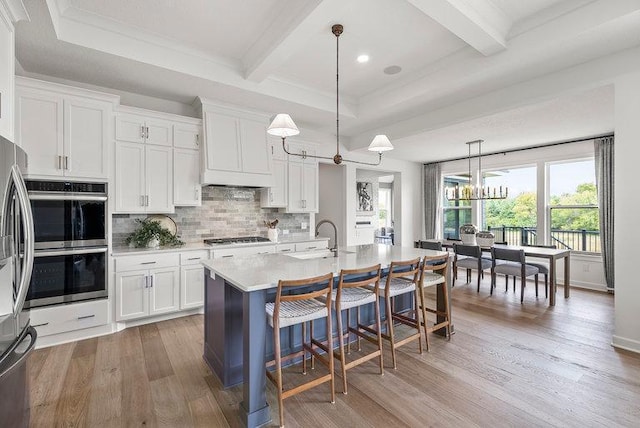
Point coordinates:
[(626, 344), (589, 286), (121, 325)]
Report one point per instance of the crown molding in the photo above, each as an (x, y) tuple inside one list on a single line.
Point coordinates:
[(16, 10)]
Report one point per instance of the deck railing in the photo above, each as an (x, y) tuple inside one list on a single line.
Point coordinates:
[(578, 240)]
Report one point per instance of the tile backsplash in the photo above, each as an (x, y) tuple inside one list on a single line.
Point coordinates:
[(225, 212)]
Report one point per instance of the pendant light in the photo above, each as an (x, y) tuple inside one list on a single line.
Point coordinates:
[(283, 126), (469, 192)]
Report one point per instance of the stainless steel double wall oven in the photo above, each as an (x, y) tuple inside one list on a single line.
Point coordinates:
[(70, 231)]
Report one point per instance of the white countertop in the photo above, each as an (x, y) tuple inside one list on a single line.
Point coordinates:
[(263, 271), (122, 251)]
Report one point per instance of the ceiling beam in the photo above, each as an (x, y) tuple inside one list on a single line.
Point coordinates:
[(296, 24), (479, 23)]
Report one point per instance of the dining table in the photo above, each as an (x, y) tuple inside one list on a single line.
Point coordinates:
[(553, 255)]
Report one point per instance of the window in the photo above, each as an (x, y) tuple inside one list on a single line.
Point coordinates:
[(573, 206), (513, 219), (385, 213), (456, 213)]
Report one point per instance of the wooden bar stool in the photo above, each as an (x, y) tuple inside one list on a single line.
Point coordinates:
[(352, 292), (292, 309), (401, 279), (433, 273)]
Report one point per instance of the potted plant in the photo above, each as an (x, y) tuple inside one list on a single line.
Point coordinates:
[(151, 234)]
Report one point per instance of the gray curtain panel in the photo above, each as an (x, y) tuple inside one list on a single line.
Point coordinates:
[(432, 200), (604, 153)]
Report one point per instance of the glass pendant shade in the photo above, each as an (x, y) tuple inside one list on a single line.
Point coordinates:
[(380, 143), (283, 126)]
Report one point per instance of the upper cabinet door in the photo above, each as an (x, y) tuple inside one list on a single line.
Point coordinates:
[(130, 128), (159, 179), (86, 139), (130, 186), (186, 136), (255, 150), (186, 177), (159, 132), (310, 187), (223, 151), (40, 131)]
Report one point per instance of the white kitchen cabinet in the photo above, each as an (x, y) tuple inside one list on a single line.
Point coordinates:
[(144, 178), (302, 189), (192, 279), (186, 177), (147, 285), (69, 317), (186, 136), (363, 235), (235, 147), (65, 131), (276, 195), (316, 244), (243, 251), (141, 129)]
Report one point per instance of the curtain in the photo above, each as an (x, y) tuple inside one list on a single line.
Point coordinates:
[(604, 153), (432, 200)]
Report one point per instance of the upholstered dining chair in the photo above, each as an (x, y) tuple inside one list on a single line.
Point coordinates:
[(470, 258), (513, 263), (543, 269)]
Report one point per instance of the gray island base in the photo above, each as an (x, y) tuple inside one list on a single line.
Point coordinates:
[(237, 337)]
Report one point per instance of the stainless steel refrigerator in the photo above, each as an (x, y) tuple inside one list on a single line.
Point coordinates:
[(17, 337)]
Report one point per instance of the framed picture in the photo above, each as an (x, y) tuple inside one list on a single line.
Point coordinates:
[(364, 193)]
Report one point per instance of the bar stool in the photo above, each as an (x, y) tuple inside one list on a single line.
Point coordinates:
[(351, 293), (433, 273), (292, 309), (401, 279)]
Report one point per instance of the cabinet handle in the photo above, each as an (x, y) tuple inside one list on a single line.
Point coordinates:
[(146, 281), (142, 131), (147, 131), (197, 192), (271, 150), (266, 252), (86, 317), (146, 200), (153, 277), (40, 325), (197, 139), (285, 250), (148, 263), (193, 258), (66, 162), (230, 255), (142, 200), (311, 248), (59, 162)]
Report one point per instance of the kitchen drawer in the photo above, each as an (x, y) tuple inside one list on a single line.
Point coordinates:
[(193, 257), (285, 248), (311, 245), (151, 261), (244, 251), (76, 316)]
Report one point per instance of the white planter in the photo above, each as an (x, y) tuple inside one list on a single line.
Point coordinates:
[(272, 234)]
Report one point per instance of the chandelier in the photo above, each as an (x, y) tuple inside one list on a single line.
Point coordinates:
[(469, 192), (283, 126)]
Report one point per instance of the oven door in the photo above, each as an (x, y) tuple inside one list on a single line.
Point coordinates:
[(68, 221), (61, 276)]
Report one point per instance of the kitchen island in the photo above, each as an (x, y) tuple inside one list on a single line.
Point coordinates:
[(236, 331)]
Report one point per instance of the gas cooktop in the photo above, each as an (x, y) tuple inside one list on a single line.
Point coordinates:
[(239, 240)]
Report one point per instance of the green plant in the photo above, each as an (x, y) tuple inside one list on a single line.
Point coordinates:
[(148, 230)]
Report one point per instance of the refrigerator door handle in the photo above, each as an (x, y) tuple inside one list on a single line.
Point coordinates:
[(29, 243), (19, 351)]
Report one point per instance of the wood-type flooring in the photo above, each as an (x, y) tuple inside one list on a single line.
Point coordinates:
[(507, 365)]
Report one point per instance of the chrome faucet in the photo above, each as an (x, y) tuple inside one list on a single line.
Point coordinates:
[(334, 250)]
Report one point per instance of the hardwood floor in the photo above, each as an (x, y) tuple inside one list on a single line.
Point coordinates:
[(507, 365)]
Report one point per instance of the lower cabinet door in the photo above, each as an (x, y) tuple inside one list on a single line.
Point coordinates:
[(192, 281), (132, 295), (164, 290)]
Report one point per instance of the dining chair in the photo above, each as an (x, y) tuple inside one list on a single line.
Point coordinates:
[(357, 287), (469, 257), (513, 264), (293, 306), (433, 273), (543, 269), (402, 278)]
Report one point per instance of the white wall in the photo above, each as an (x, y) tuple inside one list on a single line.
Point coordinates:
[(7, 65), (626, 235), (407, 189)]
